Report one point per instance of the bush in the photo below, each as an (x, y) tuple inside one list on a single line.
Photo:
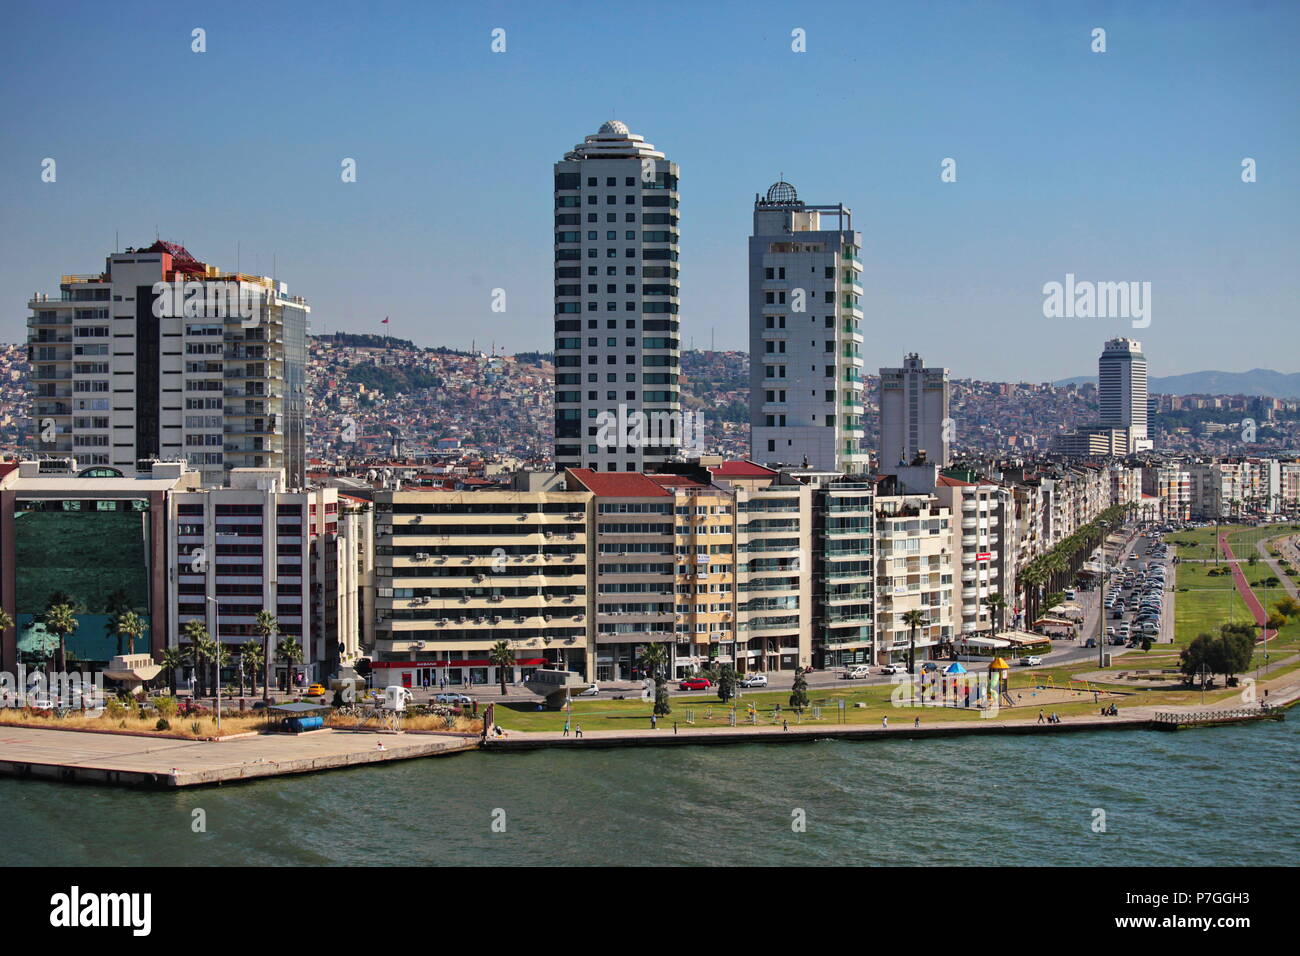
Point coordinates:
[(196, 728), (163, 724), (115, 709), (166, 706)]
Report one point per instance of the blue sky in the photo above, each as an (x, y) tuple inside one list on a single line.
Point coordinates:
[(1115, 166)]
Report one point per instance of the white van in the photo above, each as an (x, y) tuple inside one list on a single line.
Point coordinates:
[(1071, 594), (857, 672)]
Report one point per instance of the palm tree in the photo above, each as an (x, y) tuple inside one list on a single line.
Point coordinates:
[(61, 620), (118, 604), (290, 652), (502, 658), (173, 660), (128, 626), (197, 632), (267, 626), (219, 655), (251, 655), (913, 619), (998, 605), (6, 622), (655, 657)]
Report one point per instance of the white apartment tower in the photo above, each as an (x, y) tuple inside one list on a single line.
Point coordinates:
[(1122, 390), (161, 356), (914, 414), (617, 349), (805, 335)]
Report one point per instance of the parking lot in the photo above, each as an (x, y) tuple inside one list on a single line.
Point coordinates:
[(1139, 594)]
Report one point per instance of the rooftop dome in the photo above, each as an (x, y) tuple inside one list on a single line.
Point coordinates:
[(615, 127), (782, 192)]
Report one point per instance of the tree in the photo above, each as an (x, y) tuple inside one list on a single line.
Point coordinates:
[(251, 656), (288, 652), (118, 603), (997, 604), (726, 683), (172, 660), (61, 621), (1195, 658), (267, 626), (913, 619), (655, 657), (1236, 647), (503, 659), (197, 633), (799, 692), (1288, 607), (128, 626), (6, 621), (219, 655)]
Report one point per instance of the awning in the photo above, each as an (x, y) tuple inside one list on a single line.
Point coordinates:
[(301, 707), (521, 662), (954, 668)]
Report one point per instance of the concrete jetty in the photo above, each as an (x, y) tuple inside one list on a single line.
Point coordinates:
[(75, 757)]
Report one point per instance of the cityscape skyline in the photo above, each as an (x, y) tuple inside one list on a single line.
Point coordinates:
[(1018, 216)]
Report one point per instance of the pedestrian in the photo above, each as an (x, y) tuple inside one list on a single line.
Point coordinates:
[(785, 725), (380, 745), (654, 721), (566, 728), (884, 722), (917, 722), (577, 730), (1040, 717), (674, 727)]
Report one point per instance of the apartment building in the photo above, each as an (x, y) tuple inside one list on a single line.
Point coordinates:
[(705, 585), (617, 341), (455, 572), (161, 356), (1122, 390), (262, 545), (1172, 485), (845, 575), (914, 571), (634, 576), (914, 415), (805, 335)]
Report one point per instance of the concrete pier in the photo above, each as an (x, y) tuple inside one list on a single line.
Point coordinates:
[(74, 757)]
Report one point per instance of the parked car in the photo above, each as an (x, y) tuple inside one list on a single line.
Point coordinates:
[(316, 690), (857, 672), (695, 683), (1090, 642), (591, 691), (453, 699), (754, 680)]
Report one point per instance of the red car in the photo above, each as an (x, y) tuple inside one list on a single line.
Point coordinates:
[(695, 683)]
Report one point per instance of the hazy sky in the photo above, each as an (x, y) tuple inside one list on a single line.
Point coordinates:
[(1115, 166)]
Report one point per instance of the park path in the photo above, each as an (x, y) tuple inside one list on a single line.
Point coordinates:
[(1287, 543), (1246, 591)]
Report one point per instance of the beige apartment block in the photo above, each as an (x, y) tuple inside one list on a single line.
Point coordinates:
[(457, 572)]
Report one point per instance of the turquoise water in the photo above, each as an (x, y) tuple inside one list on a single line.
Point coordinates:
[(1195, 797)]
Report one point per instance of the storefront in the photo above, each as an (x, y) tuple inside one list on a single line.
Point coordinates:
[(462, 673)]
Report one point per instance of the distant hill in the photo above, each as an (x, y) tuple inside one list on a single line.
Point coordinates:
[(1258, 381)]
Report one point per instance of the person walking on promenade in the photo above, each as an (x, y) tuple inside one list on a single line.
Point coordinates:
[(884, 722), (577, 730), (654, 721), (674, 726), (785, 725), (1040, 717), (917, 722), (566, 728)]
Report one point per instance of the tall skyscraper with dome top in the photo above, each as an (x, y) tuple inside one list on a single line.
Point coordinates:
[(617, 342), (805, 335)]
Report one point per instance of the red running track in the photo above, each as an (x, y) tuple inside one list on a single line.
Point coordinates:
[(1245, 590)]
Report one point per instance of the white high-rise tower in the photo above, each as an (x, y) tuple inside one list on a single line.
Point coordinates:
[(1122, 390), (805, 334), (617, 346)]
